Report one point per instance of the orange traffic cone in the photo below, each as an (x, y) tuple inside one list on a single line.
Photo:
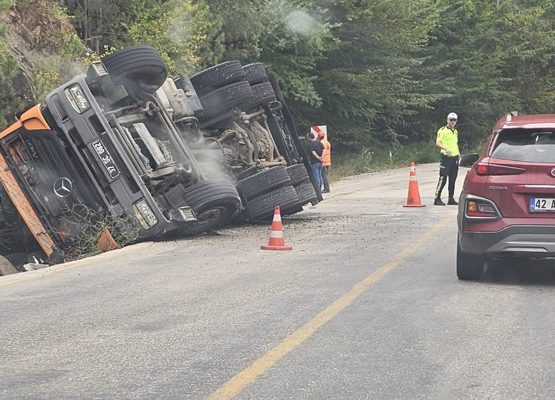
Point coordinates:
[(413, 198), (276, 241)]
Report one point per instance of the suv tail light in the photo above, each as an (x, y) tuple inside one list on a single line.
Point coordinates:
[(496, 169), (479, 208)]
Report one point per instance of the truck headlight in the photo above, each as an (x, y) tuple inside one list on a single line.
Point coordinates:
[(77, 98), (144, 214)]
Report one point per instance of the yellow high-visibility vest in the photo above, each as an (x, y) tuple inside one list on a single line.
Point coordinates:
[(450, 139)]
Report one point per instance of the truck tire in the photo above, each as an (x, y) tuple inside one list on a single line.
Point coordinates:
[(214, 203), (263, 182), (217, 76), (262, 207), (306, 193), (226, 98), (134, 64), (263, 95), (6, 267), (255, 73), (297, 174)]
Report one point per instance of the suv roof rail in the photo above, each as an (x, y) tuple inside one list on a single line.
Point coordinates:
[(510, 115)]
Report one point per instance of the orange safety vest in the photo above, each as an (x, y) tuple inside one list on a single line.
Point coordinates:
[(326, 162)]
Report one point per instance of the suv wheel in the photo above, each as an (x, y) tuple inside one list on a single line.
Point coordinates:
[(470, 267)]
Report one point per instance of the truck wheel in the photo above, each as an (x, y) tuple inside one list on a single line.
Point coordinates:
[(263, 94), (137, 64), (255, 73), (306, 193), (263, 182), (226, 98), (6, 267), (217, 76), (262, 207), (470, 267), (214, 203), (297, 174)]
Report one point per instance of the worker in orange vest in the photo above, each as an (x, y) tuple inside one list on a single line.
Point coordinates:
[(326, 161)]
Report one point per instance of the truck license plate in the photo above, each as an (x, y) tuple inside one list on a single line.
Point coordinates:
[(106, 158)]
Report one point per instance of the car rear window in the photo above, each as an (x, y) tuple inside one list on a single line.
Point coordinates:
[(525, 145)]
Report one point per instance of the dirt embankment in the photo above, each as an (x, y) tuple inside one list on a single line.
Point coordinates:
[(41, 40)]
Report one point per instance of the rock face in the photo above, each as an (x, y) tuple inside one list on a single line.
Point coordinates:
[(44, 45)]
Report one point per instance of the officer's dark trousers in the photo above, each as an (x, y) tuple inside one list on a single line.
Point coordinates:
[(448, 168)]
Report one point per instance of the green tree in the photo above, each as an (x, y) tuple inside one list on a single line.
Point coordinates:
[(490, 58), (289, 37), (367, 80), (181, 30)]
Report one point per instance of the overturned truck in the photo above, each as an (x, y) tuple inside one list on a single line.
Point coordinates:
[(103, 142), (163, 155), (238, 113)]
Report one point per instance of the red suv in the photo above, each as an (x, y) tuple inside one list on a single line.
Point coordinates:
[(507, 205)]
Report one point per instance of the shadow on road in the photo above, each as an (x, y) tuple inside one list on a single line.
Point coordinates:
[(521, 271)]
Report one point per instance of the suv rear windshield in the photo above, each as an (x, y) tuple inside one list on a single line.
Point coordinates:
[(526, 145)]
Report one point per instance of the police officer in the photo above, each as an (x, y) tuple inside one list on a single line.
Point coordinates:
[(448, 142)]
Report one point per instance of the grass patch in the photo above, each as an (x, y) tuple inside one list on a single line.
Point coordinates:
[(381, 158)]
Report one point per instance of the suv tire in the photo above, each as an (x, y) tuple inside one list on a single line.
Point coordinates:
[(470, 267)]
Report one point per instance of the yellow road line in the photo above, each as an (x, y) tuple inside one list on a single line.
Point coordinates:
[(236, 384)]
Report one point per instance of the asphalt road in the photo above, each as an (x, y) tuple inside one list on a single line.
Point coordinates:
[(366, 306)]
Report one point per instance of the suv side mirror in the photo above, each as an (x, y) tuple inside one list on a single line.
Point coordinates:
[(468, 160)]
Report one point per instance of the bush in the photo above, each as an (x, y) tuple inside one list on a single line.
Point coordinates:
[(380, 158)]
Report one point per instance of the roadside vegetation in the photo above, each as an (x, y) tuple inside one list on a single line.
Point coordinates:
[(378, 73), (379, 158)]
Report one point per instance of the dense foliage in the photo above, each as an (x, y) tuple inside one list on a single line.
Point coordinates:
[(377, 72)]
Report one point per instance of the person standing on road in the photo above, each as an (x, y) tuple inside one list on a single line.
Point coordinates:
[(448, 142), (326, 161), (316, 155)]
